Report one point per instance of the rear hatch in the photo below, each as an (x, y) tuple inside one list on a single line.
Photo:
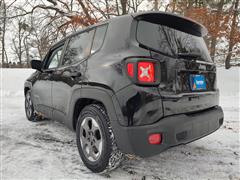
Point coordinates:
[(188, 75)]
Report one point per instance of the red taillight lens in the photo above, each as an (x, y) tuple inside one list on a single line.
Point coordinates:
[(146, 72), (130, 69), (155, 138)]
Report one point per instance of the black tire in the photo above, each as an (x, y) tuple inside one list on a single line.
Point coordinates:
[(29, 109), (107, 156)]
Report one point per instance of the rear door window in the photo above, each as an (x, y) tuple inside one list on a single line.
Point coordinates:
[(99, 38), (78, 48)]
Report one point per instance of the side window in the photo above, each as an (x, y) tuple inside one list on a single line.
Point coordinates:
[(55, 58), (99, 38), (78, 47)]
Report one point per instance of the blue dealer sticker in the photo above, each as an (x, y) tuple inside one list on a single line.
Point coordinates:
[(197, 82)]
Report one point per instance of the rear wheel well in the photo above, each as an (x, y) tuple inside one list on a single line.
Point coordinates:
[(79, 105)]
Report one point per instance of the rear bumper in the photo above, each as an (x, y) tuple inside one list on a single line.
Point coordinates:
[(177, 129)]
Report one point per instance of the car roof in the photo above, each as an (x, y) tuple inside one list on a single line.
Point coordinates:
[(164, 18)]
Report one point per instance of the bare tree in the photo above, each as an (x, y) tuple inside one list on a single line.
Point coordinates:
[(17, 40), (3, 28), (54, 19), (232, 34), (217, 24), (134, 5)]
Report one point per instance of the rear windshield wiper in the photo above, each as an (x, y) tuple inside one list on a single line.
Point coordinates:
[(155, 50), (189, 55)]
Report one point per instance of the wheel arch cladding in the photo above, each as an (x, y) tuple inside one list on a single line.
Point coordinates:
[(88, 96), (79, 105), (26, 89)]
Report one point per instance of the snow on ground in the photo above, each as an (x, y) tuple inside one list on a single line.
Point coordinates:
[(47, 149)]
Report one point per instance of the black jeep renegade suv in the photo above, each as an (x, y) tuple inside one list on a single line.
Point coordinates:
[(136, 84)]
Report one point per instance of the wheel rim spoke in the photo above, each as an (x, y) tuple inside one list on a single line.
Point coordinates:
[(98, 145), (92, 154), (95, 126), (83, 139), (85, 125)]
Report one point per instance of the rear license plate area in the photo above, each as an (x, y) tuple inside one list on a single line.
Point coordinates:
[(197, 82)]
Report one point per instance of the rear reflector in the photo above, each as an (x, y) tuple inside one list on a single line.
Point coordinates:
[(146, 72), (155, 138), (130, 69)]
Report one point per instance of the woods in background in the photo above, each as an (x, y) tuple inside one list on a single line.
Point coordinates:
[(29, 27)]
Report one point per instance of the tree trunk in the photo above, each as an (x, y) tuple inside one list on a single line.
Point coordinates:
[(20, 43), (213, 47), (26, 50), (217, 24), (124, 6), (3, 31), (155, 5), (107, 8), (174, 6), (232, 33), (117, 7), (6, 57)]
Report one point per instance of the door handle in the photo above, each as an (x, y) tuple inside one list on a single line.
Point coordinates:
[(75, 74), (49, 71)]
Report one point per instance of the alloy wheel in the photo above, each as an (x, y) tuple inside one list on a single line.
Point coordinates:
[(28, 105), (91, 139)]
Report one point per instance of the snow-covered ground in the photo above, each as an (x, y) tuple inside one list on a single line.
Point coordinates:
[(47, 149)]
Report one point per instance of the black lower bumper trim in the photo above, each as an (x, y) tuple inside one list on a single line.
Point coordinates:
[(177, 129)]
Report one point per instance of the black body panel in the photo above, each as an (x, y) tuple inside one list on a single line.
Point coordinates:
[(41, 93)]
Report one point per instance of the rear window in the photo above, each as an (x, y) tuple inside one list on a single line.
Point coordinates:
[(170, 41), (79, 47), (84, 44)]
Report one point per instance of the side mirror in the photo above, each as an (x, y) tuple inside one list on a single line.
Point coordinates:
[(36, 64)]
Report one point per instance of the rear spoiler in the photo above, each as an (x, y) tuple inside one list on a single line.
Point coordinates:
[(174, 21)]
